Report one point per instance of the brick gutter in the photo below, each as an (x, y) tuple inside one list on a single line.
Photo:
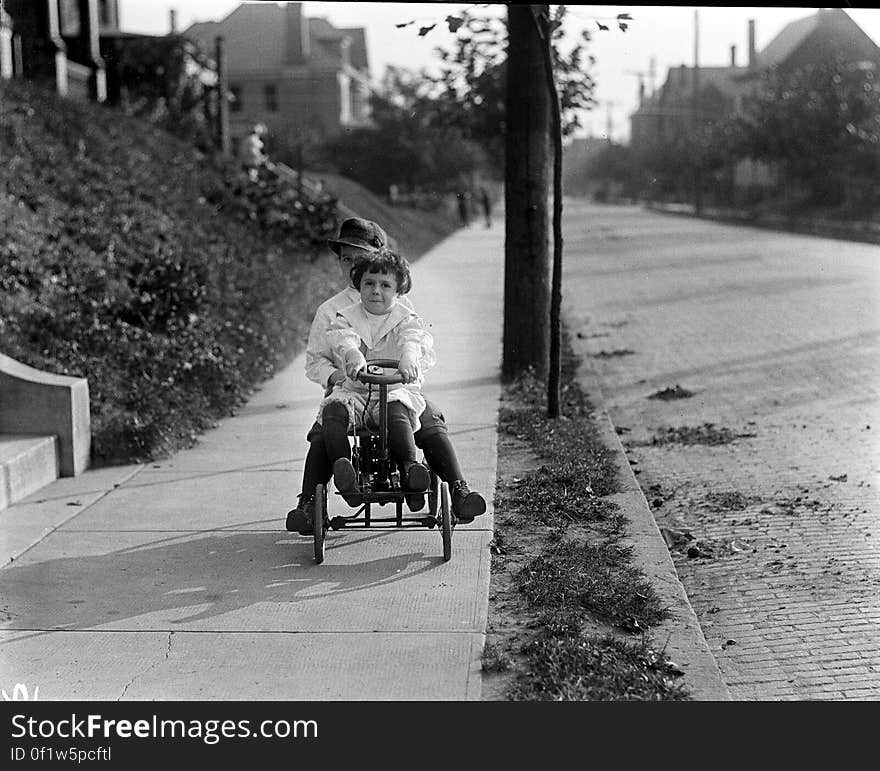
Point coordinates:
[(862, 231)]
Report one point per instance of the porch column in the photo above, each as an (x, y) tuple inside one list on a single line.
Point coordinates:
[(89, 34)]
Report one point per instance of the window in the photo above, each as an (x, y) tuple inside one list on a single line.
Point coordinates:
[(270, 91), (235, 103)]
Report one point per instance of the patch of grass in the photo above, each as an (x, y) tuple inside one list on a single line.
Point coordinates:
[(495, 659), (574, 667), (592, 577), (559, 495)]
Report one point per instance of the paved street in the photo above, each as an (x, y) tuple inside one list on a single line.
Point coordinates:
[(776, 337)]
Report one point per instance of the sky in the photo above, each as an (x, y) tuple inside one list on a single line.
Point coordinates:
[(664, 34)]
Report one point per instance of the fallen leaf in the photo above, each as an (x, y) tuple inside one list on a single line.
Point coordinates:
[(454, 22)]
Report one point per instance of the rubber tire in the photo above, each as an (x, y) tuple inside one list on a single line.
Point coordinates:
[(320, 523), (445, 521)]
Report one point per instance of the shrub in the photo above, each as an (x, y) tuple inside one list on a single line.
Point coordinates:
[(169, 279)]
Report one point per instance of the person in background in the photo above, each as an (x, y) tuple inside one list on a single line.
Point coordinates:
[(486, 203), (251, 151), (464, 207)]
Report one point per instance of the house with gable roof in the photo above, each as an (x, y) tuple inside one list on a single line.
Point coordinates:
[(303, 78), (821, 37)]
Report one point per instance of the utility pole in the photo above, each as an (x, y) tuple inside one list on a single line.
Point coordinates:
[(609, 122), (223, 143), (695, 114)]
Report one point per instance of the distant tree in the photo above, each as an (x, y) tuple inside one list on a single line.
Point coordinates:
[(470, 91), (168, 80), (820, 123), (404, 146)]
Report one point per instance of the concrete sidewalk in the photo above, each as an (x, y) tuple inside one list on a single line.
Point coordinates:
[(177, 580)]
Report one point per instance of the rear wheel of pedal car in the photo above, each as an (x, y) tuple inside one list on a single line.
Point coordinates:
[(320, 523), (445, 522)]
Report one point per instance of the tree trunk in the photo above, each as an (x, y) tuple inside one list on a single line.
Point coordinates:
[(554, 377), (526, 183)]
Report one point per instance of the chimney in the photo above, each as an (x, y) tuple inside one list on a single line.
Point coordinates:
[(733, 56), (172, 20), (752, 57), (297, 34)]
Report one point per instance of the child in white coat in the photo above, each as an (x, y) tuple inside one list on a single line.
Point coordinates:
[(359, 238), (378, 326)]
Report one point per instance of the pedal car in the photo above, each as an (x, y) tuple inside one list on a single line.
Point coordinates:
[(378, 480)]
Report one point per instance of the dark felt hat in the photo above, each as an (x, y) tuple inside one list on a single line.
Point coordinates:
[(364, 234)]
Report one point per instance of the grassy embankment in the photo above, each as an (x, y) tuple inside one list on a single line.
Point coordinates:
[(166, 277)]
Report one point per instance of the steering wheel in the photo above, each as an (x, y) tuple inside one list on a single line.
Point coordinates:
[(373, 379)]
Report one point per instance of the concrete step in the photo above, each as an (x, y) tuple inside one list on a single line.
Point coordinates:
[(27, 463)]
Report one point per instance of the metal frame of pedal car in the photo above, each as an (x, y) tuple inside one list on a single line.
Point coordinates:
[(378, 483)]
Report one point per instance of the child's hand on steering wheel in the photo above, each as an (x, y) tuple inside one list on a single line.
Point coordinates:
[(354, 363), (408, 368)]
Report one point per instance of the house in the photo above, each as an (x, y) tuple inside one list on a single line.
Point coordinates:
[(304, 79), (712, 93), (58, 41)]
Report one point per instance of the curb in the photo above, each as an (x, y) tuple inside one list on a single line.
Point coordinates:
[(681, 635)]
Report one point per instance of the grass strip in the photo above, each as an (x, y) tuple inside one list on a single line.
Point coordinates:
[(558, 534)]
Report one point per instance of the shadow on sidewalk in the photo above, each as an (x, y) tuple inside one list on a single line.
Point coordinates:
[(185, 579)]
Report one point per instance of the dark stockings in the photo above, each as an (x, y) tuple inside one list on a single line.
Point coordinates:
[(440, 454), (318, 469), (401, 444)]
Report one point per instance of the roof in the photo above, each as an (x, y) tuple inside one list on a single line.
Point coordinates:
[(250, 28), (262, 28), (836, 28), (787, 41), (679, 85), (729, 81)]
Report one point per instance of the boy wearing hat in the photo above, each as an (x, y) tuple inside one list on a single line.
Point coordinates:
[(358, 237)]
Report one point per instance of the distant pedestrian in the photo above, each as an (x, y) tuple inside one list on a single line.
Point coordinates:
[(251, 151), (464, 207), (487, 206)]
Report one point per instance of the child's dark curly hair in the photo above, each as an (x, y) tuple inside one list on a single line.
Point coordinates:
[(383, 261)]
